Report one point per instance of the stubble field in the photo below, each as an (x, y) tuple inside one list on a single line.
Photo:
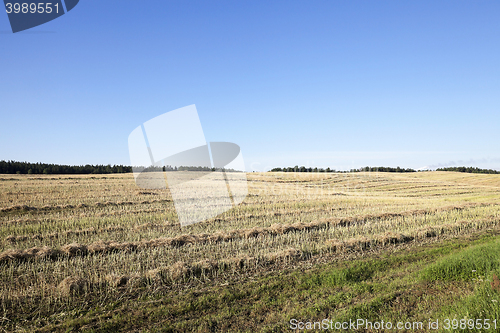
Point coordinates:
[(74, 245)]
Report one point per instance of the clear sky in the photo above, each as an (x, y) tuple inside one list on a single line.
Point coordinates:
[(342, 84)]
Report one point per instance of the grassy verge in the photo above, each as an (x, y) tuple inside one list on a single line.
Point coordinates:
[(453, 279)]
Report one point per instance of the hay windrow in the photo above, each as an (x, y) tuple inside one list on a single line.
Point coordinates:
[(103, 247), (69, 233), (25, 208), (391, 238)]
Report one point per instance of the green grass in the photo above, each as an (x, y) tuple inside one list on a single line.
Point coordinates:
[(482, 304), (354, 273), (477, 264), (465, 265)]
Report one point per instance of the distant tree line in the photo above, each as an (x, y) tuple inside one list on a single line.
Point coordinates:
[(301, 169), (14, 167), (193, 168), (43, 168), (383, 169), (469, 170), (365, 169)]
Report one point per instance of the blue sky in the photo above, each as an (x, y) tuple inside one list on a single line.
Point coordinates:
[(342, 84)]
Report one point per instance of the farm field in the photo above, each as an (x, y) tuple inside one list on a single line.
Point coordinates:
[(96, 253)]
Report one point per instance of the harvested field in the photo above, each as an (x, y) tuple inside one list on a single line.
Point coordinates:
[(78, 242)]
